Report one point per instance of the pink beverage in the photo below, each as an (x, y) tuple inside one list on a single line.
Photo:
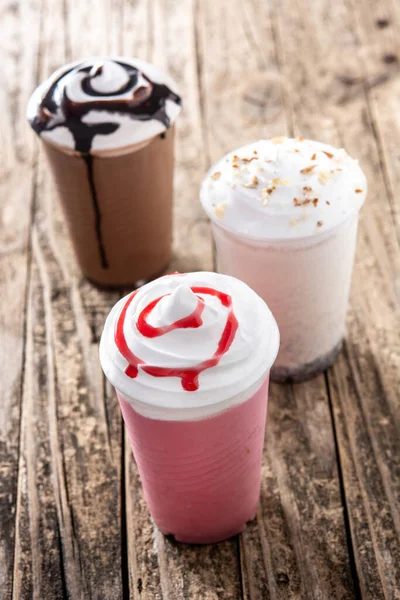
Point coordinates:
[(189, 356), (284, 216), (215, 485)]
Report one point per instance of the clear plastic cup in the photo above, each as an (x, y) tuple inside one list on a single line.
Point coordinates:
[(306, 284), (284, 216), (201, 478), (189, 356), (126, 235), (107, 128)]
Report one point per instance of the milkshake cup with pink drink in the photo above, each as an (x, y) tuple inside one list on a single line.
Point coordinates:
[(189, 356), (284, 215)]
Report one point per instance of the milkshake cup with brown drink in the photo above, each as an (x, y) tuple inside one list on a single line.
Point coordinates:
[(284, 216), (107, 129)]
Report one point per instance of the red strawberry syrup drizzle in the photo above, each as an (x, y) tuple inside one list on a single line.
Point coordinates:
[(189, 376)]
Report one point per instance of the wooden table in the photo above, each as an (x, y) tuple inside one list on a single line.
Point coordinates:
[(73, 523)]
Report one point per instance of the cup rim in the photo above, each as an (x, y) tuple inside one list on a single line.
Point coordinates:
[(106, 153), (192, 412), (196, 413), (285, 241)]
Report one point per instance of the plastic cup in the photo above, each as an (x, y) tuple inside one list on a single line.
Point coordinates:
[(107, 128), (306, 284), (189, 356), (125, 236), (284, 216), (201, 478)]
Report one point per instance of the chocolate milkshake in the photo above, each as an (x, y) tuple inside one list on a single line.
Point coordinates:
[(107, 128)]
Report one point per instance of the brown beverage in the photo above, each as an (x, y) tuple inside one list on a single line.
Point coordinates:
[(107, 130)]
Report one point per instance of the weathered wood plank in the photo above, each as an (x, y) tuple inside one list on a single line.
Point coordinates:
[(363, 385), (68, 541), (19, 53), (246, 70), (288, 553), (158, 567), (377, 26)]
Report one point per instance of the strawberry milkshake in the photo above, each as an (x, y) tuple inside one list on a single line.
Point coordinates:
[(284, 215), (189, 356)]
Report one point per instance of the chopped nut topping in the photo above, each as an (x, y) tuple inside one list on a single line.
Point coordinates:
[(265, 196), (255, 152), (314, 156), (216, 176), (320, 223), (324, 176), (315, 201), (279, 140), (327, 202), (307, 189), (303, 202), (235, 166), (296, 150), (329, 154), (358, 191), (245, 159), (278, 181), (307, 169), (219, 210), (253, 183)]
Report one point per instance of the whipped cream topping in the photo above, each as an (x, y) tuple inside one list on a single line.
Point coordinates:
[(187, 346), (104, 104), (283, 188)]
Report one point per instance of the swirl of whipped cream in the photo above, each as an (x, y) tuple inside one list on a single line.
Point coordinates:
[(186, 346), (283, 188), (104, 103)]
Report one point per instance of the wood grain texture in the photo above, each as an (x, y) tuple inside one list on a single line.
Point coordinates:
[(73, 522), (364, 384), (288, 554), (160, 568), (68, 507), (19, 52)]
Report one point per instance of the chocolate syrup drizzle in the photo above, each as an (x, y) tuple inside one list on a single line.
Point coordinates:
[(148, 102)]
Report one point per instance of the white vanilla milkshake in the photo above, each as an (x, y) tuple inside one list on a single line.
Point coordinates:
[(284, 214)]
